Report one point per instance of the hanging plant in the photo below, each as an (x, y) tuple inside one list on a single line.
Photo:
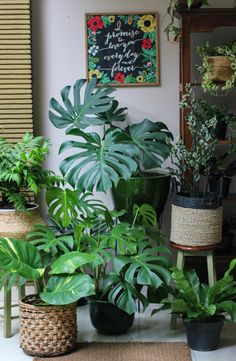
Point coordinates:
[(218, 67)]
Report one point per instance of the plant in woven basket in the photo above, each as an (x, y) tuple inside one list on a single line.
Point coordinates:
[(202, 305), (98, 162), (21, 170), (218, 67), (173, 29), (191, 164), (127, 256)]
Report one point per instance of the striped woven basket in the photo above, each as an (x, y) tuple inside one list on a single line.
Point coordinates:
[(196, 226), (47, 331)]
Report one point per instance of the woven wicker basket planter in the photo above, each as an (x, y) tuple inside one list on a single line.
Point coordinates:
[(195, 223), (16, 224), (47, 330), (221, 70)]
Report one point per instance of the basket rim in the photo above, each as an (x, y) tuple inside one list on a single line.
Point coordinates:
[(43, 306)]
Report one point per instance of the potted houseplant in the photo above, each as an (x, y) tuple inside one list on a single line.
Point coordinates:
[(174, 7), (100, 162), (127, 261), (218, 67), (202, 307), (194, 209), (48, 319), (21, 172)]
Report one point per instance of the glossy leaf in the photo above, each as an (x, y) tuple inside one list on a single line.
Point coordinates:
[(115, 114), (63, 290), (69, 263), (97, 163), (21, 258), (82, 112)]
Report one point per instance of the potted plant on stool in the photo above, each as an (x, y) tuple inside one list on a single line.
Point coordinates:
[(21, 172), (202, 307), (196, 218)]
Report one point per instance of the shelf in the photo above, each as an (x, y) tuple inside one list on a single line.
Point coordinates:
[(231, 198)]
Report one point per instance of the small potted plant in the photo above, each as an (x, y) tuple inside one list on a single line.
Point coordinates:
[(21, 172), (202, 307), (127, 261), (174, 7), (218, 67), (121, 153), (48, 319), (196, 213)]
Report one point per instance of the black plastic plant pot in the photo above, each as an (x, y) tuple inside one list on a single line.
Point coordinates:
[(204, 336), (221, 130), (109, 319), (152, 189)]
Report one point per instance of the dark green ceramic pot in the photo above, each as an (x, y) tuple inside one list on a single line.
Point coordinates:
[(152, 189)]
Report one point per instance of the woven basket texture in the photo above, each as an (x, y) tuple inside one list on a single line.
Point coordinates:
[(16, 224), (196, 227), (220, 68), (47, 330)]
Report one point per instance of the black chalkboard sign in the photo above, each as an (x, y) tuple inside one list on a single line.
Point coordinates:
[(122, 49)]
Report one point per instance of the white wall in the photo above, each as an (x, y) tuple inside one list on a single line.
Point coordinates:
[(59, 59)]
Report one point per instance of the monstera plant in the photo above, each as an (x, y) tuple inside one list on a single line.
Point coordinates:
[(121, 152)]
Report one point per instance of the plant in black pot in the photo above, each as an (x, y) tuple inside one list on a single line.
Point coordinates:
[(202, 307), (127, 261), (122, 152), (48, 324), (196, 213), (21, 172)]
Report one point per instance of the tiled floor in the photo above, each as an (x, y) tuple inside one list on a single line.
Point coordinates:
[(145, 328)]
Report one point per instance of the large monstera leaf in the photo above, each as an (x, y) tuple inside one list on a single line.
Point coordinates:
[(21, 258), (99, 162), (82, 113), (66, 205), (152, 141), (63, 290)]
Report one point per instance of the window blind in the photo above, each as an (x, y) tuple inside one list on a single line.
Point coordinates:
[(16, 116)]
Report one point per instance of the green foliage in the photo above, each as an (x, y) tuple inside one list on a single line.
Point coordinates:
[(198, 301), (206, 51), (173, 30), (67, 206), (98, 162), (21, 169), (26, 259), (189, 162), (83, 113), (125, 258)]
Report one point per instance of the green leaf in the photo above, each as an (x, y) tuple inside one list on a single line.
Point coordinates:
[(63, 290), (146, 215), (20, 257), (98, 162), (82, 113), (69, 263), (229, 307), (66, 205), (151, 139), (115, 114)]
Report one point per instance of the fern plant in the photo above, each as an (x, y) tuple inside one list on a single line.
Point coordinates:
[(21, 170)]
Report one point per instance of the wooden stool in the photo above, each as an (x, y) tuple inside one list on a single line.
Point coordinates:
[(184, 251), (7, 305)]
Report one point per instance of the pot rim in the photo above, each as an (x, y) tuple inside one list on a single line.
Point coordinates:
[(159, 174), (213, 319), (5, 210), (43, 306)]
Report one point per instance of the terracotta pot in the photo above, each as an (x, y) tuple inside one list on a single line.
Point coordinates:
[(15, 224)]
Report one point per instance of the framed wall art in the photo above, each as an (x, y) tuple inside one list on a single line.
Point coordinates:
[(123, 49)]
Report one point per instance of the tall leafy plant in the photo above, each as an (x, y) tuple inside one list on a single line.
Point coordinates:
[(97, 161), (21, 170)]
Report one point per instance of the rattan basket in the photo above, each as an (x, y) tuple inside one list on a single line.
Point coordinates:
[(47, 330), (220, 70), (196, 226)]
